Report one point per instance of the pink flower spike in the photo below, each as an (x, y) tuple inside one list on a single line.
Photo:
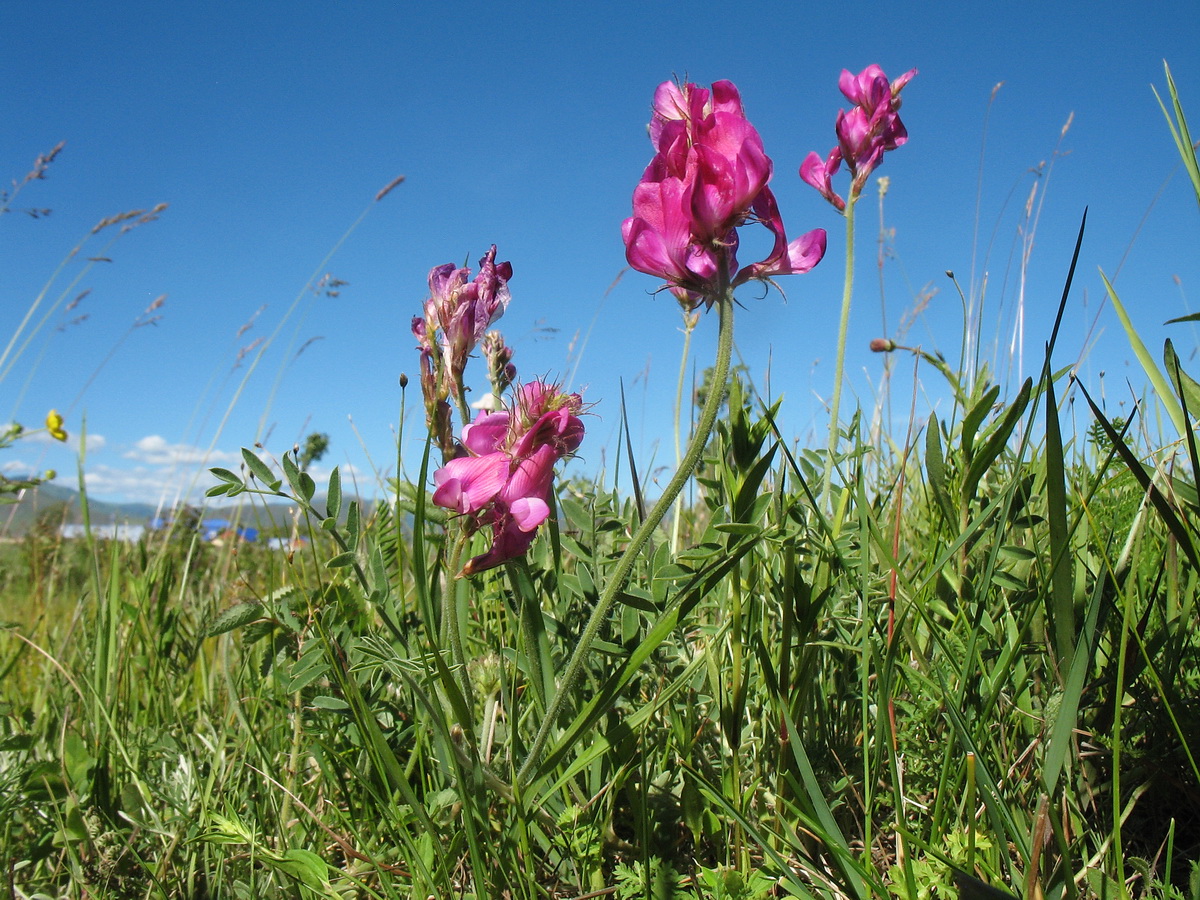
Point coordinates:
[(727, 99), (492, 294), (532, 477), (659, 239), (708, 178), (806, 251), (865, 132)]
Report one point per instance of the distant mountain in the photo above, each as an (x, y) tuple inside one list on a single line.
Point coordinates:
[(62, 505)]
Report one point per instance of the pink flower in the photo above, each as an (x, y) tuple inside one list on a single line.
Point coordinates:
[(505, 481), (487, 433), (522, 505), (819, 174), (659, 240), (456, 316), (513, 531), (864, 133), (870, 90), (785, 258), (708, 177), (460, 312), (469, 483)]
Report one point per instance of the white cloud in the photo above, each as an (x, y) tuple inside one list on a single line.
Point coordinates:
[(94, 441), (350, 474), (154, 450), (147, 484), (158, 472)]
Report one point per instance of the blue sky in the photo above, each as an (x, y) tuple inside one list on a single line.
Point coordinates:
[(269, 127)]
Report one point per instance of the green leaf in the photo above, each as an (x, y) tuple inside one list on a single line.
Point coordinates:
[(234, 617), (1161, 504), (291, 472), (1062, 582), (341, 561), (1161, 387), (1006, 580), (258, 469), (935, 467), (310, 666), (226, 475), (1194, 317), (638, 599), (996, 441), (1024, 554), (1062, 729), (1180, 132), (353, 525), (305, 866), (334, 703), (577, 515), (1185, 385), (975, 417), (307, 487), (333, 495), (738, 528)]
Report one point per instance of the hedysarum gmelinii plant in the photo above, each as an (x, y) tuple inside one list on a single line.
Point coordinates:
[(708, 177), (871, 128)]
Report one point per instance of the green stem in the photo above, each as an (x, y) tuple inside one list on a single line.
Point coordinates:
[(708, 418), (460, 398), (689, 324), (839, 365), (451, 619)]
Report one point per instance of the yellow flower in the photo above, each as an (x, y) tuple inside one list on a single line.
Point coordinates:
[(54, 425)]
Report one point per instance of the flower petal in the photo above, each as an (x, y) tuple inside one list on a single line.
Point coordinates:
[(470, 483)]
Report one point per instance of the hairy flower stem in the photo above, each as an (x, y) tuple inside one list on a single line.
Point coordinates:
[(847, 292), (464, 409), (687, 466)]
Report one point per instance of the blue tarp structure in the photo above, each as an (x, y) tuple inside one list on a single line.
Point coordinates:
[(210, 529)]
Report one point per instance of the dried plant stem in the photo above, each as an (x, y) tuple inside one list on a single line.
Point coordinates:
[(708, 418)]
